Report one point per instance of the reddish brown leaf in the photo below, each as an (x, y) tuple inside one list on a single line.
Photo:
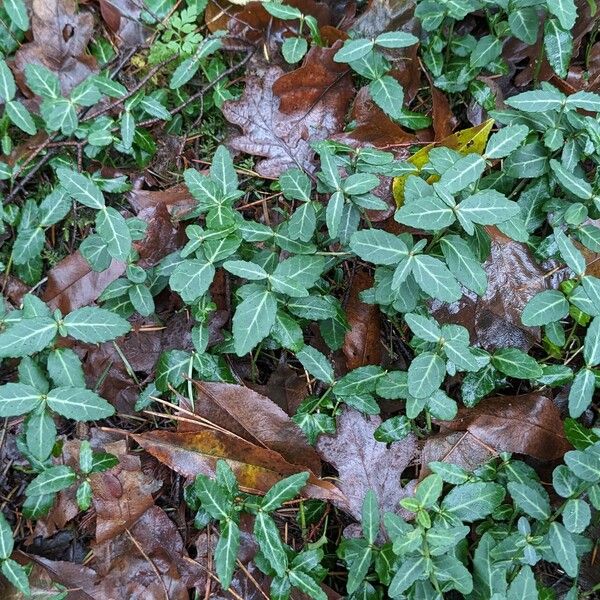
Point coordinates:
[(123, 19), (373, 127), (443, 119), (257, 468), (527, 424), (283, 139), (257, 419), (365, 464), (60, 37), (122, 494), (362, 344), (494, 320), (72, 283)]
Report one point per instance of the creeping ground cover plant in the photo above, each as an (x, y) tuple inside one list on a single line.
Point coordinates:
[(299, 299)]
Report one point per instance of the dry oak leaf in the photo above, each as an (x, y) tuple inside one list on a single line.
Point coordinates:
[(494, 320), (60, 37), (284, 139), (528, 424), (365, 464)]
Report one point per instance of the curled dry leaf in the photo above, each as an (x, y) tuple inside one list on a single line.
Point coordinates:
[(123, 18), (255, 418), (257, 468), (528, 424), (60, 37), (494, 320), (72, 283), (365, 464), (362, 344), (283, 138)]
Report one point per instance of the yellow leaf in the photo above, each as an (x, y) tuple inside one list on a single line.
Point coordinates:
[(466, 141)]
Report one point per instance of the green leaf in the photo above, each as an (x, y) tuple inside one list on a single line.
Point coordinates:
[(428, 213), (27, 337), (191, 279), (245, 270), (359, 567), (378, 247), (424, 328), (396, 39), (461, 355), (79, 404), (141, 299), (40, 434), (558, 45), (282, 11), (449, 472), (226, 552), (584, 464), (6, 538), (434, 279), (429, 490), (297, 274), (306, 584), (530, 500), (565, 11), (270, 543), (425, 374), (284, 491), (564, 549), (64, 367), (463, 264), (473, 501), (353, 50), (333, 212), (488, 207), (17, 12), (95, 325), (411, 569), (28, 245), (293, 49), (222, 171), (370, 517), (570, 183), (448, 568), (42, 81), (17, 575), (8, 88), (545, 307), (505, 141), (316, 364), (464, 172), (537, 101), (487, 50), (523, 586), (295, 185), (184, 72), (81, 188), (20, 116), (576, 515), (388, 94), (53, 479), (584, 100), (253, 320), (214, 500), (84, 495), (581, 392), (591, 346), (515, 363), (524, 23), (113, 230), (54, 207), (127, 129)]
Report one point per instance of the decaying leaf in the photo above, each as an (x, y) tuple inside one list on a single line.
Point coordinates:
[(257, 468), (123, 19), (365, 464), (283, 138), (362, 345), (528, 424), (72, 283), (60, 36), (494, 320)]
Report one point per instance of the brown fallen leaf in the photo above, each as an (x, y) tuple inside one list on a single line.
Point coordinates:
[(494, 320), (362, 344), (456, 447), (284, 139), (286, 387), (257, 468), (72, 283), (123, 18), (122, 494), (255, 418), (528, 424), (374, 127), (365, 464), (60, 37)]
